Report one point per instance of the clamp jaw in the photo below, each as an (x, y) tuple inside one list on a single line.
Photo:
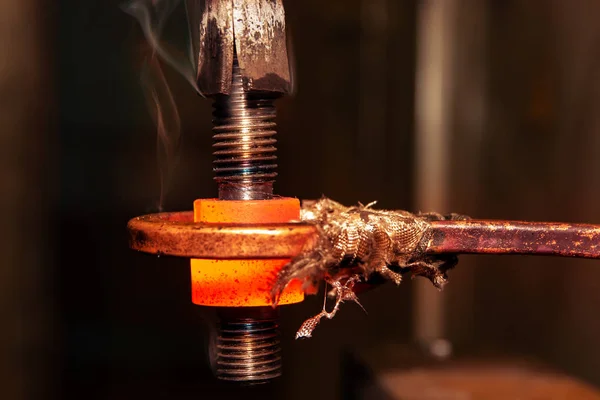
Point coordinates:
[(252, 31)]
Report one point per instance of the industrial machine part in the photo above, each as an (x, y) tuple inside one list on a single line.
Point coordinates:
[(424, 245), (243, 66), (239, 242), (175, 234), (254, 32), (247, 347)]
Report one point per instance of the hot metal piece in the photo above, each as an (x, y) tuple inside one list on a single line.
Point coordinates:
[(242, 282), (245, 169)]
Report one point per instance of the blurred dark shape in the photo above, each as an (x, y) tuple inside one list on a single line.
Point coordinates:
[(390, 372), (27, 165)]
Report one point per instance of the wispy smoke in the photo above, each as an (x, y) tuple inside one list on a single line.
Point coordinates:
[(166, 117), (153, 16)]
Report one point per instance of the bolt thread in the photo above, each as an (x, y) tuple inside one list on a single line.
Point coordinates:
[(248, 348), (248, 351), (244, 131)]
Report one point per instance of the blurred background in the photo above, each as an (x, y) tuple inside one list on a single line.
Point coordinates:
[(485, 108)]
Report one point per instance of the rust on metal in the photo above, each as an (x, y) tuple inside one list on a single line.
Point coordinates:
[(176, 234), (514, 237), (211, 26), (261, 44), (254, 30)]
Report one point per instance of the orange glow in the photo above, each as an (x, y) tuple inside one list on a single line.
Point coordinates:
[(247, 211), (242, 283)]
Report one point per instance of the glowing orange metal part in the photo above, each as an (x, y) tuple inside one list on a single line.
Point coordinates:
[(242, 283)]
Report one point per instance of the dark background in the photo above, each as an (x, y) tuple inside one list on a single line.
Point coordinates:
[(85, 317)]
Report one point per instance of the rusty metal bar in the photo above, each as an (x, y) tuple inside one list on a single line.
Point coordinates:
[(515, 237), (176, 234)]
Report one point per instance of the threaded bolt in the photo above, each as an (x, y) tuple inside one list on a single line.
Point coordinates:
[(247, 348), (244, 142)]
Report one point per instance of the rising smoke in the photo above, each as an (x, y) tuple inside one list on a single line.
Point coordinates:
[(157, 19)]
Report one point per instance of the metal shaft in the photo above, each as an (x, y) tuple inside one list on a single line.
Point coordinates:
[(248, 346), (514, 237), (244, 130)]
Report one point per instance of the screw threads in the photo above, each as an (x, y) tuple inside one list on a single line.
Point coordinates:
[(248, 351), (248, 346), (244, 142)]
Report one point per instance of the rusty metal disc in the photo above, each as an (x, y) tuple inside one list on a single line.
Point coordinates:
[(176, 234)]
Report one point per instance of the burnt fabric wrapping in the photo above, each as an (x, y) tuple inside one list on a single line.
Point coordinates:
[(357, 242)]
